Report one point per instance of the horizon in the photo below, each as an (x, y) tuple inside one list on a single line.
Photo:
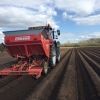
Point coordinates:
[(77, 19)]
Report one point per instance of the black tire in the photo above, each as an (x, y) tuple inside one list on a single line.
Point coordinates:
[(52, 59), (58, 54), (45, 68)]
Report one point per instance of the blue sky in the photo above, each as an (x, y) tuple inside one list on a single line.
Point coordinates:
[(77, 19)]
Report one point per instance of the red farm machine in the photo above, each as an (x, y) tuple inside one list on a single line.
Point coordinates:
[(36, 49)]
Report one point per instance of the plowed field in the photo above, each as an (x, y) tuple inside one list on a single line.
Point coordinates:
[(75, 77)]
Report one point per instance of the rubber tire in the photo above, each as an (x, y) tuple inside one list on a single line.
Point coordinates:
[(52, 60), (58, 58), (58, 54), (45, 68)]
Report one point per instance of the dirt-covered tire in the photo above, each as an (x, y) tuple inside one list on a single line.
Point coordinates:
[(52, 60), (45, 68), (58, 55), (58, 58), (58, 51)]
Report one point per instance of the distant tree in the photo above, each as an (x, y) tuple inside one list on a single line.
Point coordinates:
[(89, 42)]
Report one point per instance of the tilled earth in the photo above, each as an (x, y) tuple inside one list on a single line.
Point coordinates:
[(5, 60), (75, 77)]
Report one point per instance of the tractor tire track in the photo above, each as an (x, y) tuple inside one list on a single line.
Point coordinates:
[(92, 80), (68, 89), (93, 63), (94, 56)]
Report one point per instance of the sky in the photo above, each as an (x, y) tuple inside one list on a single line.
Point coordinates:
[(77, 19)]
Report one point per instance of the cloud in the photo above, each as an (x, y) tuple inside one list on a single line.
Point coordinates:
[(64, 15), (25, 3), (25, 13), (97, 5), (79, 7), (80, 11), (89, 20)]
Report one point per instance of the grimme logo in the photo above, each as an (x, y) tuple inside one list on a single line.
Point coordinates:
[(22, 38)]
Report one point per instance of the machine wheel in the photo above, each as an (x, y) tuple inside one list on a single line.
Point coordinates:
[(45, 68), (58, 55), (58, 58), (52, 60)]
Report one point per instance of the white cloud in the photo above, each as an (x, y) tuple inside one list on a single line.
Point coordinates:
[(97, 5), (65, 15), (89, 20), (25, 13), (25, 3), (80, 11), (80, 7), (22, 13)]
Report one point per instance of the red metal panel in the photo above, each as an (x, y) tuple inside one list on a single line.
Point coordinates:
[(24, 46), (20, 39), (35, 71), (46, 45)]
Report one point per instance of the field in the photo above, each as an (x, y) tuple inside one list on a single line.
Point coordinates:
[(75, 77)]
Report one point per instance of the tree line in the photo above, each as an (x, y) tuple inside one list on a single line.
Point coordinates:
[(88, 42)]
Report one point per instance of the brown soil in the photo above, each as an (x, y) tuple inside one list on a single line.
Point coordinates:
[(75, 77)]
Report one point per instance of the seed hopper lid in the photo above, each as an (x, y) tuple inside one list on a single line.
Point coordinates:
[(21, 32)]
